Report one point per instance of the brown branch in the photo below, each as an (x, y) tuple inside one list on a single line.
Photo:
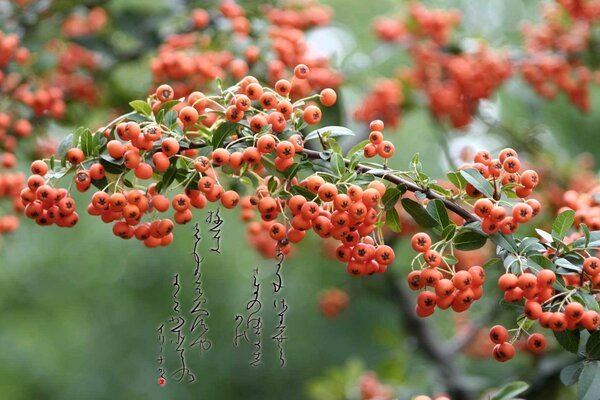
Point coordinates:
[(444, 358), (410, 186)]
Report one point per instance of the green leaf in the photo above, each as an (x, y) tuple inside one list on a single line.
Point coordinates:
[(272, 184), (392, 220), (541, 261), (544, 235), (504, 241), (87, 142), (168, 177), (166, 106), (418, 213), (565, 267), (357, 147), (111, 165), (171, 119), (101, 183), (330, 131), (492, 263), (570, 374), (436, 209), (448, 232), (592, 347), (457, 180), (141, 107), (562, 224), (291, 172), (469, 240), (415, 164), (586, 234), (390, 198), (224, 130), (590, 301), (510, 391), (569, 340), (442, 190), (337, 164), (450, 259), (589, 382), (63, 147), (301, 190), (474, 177), (594, 240)]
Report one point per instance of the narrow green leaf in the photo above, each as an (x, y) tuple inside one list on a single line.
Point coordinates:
[(562, 224), (390, 198), (337, 164), (272, 184), (301, 190), (141, 107), (592, 347), (544, 235), (589, 382), (436, 209), (357, 147), (504, 241), (469, 240), (392, 220), (474, 177), (87, 142), (333, 131), (541, 261), (570, 374), (510, 391), (566, 267), (224, 130), (418, 213), (457, 180), (586, 234), (569, 340), (448, 232), (166, 106)]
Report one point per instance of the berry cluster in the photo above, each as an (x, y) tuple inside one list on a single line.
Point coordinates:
[(420, 24), (505, 177), (90, 23), (372, 389), (555, 51), (378, 146), (45, 204), (191, 61), (11, 185), (332, 302), (299, 14), (453, 81), (383, 102), (456, 289)]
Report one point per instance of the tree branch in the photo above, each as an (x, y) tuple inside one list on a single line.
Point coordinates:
[(410, 186), (428, 343)]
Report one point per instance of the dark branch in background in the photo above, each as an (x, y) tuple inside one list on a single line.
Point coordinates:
[(428, 342)]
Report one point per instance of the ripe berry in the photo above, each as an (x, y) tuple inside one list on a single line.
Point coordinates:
[(536, 343), (312, 115), (328, 97), (503, 352), (498, 334)]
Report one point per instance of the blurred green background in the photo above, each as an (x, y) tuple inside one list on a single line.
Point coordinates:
[(80, 308)]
